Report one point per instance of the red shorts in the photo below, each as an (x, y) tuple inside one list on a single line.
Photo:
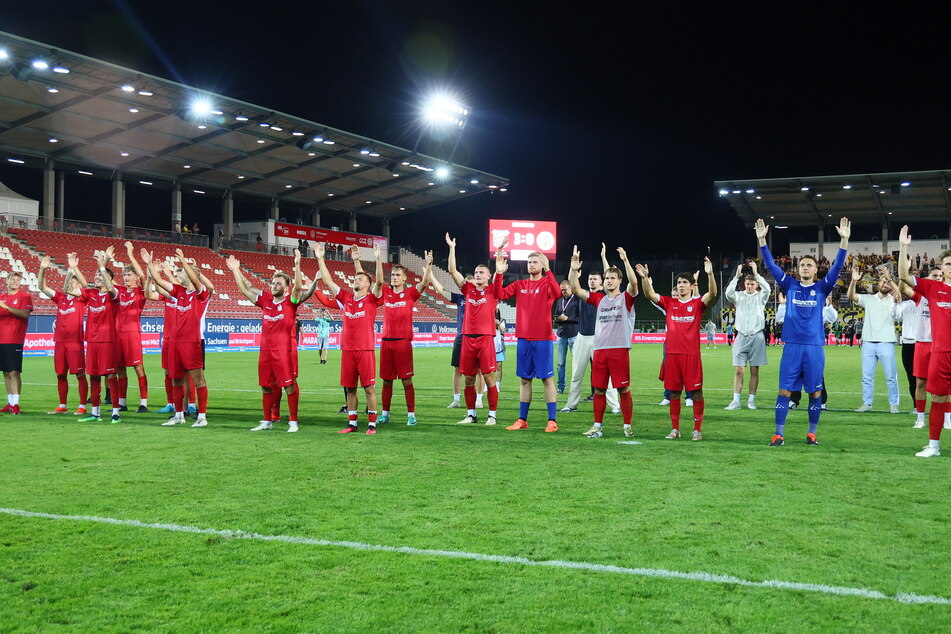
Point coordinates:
[(922, 359), (478, 354), (294, 358), (276, 368), (396, 359), (69, 357), (357, 367), (101, 358), (613, 364), (182, 357), (939, 374), (129, 349), (683, 372), (165, 344)]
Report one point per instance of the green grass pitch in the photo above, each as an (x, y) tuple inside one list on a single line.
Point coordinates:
[(859, 511)]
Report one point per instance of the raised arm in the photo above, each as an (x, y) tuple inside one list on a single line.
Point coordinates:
[(130, 253), (355, 256), (324, 272), (377, 288), (439, 288), (711, 293), (856, 276), (904, 264), (457, 277), (574, 275), (103, 260), (764, 288), (235, 266), (72, 260), (298, 279), (189, 271), (46, 290), (427, 273), (628, 271), (605, 265), (645, 275)]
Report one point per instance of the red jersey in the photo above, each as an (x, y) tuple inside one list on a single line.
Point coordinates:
[(359, 316), (533, 302), (129, 310), (279, 321), (70, 312), (13, 328), (398, 312), (938, 295), (100, 316), (170, 315), (683, 324), (480, 307), (190, 307), (325, 300)]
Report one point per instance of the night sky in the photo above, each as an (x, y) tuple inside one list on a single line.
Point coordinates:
[(615, 124)]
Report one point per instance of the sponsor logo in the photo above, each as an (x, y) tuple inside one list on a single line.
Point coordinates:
[(476, 302), (683, 320), (67, 311), (97, 309), (805, 303), (395, 304), (274, 317), (357, 315)]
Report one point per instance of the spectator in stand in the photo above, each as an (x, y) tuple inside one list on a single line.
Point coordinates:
[(195, 229), (710, 329), (259, 246)]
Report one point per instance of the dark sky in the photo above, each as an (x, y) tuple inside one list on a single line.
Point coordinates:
[(612, 118)]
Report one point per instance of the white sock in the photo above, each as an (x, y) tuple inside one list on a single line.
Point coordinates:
[(598, 425), (485, 388), (10, 399), (191, 406), (201, 416), (947, 415), (144, 402), (736, 397), (492, 413), (471, 412), (934, 443), (14, 399), (115, 411), (498, 385), (385, 412), (95, 411), (921, 416), (455, 398), (122, 402), (63, 405)]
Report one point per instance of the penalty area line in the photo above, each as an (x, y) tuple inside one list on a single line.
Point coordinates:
[(704, 577)]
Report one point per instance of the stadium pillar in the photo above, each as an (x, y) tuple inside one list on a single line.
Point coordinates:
[(315, 216), (118, 204), (61, 198), (353, 222), (821, 241), (227, 215), (177, 204), (275, 210), (49, 194), (884, 237)]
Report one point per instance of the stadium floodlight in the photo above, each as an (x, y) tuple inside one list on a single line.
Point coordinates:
[(127, 88), (201, 107), (724, 192), (4, 55), (62, 70), (39, 64), (443, 109), (442, 173), (906, 184), (846, 187), (240, 117), (146, 93)]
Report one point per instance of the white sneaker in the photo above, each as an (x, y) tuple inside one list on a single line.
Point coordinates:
[(490, 420), (201, 422), (674, 433), (919, 424), (893, 409), (566, 409), (468, 420), (928, 452), (174, 420), (453, 405), (291, 428), (864, 408), (696, 435), (628, 431), (688, 402), (594, 430), (615, 411), (664, 402), (733, 405), (262, 426), (751, 405)]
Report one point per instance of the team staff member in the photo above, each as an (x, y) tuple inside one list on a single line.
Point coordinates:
[(16, 305), (69, 356)]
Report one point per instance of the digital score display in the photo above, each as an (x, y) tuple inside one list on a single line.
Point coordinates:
[(524, 237)]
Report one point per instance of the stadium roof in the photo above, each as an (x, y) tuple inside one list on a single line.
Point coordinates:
[(106, 120), (863, 198)]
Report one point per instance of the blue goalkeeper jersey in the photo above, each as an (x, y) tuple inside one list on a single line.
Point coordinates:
[(804, 302)]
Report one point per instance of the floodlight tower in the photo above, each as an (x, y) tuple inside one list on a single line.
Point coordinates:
[(440, 112)]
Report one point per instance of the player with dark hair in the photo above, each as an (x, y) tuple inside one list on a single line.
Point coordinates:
[(803, 360), (683, 369), (396, 349), (612, 338), (17, 305), (101, 350), (277, 363), (358, 353), (478, 330), (69, 356)]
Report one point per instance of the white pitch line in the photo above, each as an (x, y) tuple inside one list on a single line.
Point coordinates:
[(705, 577)]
